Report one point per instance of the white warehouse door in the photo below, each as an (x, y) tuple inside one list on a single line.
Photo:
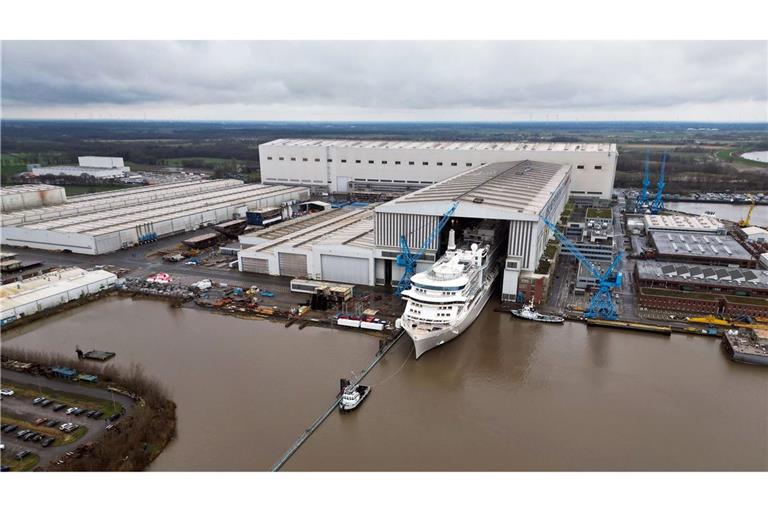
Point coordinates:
[(345, 269), (293, 265)]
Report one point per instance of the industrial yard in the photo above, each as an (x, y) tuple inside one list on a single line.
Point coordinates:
[(335, 253)]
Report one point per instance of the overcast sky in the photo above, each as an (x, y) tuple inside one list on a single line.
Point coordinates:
[(382, 81)]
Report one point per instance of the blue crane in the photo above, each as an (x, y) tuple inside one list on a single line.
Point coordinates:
[(658, 201), (601, 305), (407, 259), (642, 201)]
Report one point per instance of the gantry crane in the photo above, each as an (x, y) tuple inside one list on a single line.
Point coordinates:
[(746, 221), (658, 202), (407, 259), (601, 305)]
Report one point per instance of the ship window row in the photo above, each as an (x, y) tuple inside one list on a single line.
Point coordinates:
[(440, 288), (383, 162)]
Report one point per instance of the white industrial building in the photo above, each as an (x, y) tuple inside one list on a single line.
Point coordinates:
[(332, 245), (20, 197), (755, 234), (684, 224), (102, 167), (516, 193), (102, 223), (360, 245), (378, 165), (30, 296)]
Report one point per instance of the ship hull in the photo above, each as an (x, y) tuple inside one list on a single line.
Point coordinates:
[(424, 341), (544, 319)]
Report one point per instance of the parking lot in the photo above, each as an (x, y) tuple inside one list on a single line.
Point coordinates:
[(45, 421)]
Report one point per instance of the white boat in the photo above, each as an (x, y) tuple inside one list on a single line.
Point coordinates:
[(353, 396), (444, 300), (528, 312)]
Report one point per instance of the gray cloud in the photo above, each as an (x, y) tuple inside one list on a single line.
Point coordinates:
[(384, 80)]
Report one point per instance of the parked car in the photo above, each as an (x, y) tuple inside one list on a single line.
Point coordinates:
[(114, 417), (3, 469), (22, 433), (40, 421), (59, 407), (22, 454), (71, 410), (38, 400), (51, 423), (28, 436), (10, 428), (80, 412), (36, 438), (97, 415), (6, 392), (47, 442), (46, 403), (109, 427)]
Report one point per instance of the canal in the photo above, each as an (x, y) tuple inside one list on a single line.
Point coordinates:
[(506, 395)]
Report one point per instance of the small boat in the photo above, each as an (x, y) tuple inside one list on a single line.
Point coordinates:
[(353, 396), (528, 312)]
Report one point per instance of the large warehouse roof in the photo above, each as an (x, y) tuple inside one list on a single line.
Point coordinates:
[(445, 145), (111, 200), (504, 187), (156, 211), (353, 226), (734, 277), (721, 247)]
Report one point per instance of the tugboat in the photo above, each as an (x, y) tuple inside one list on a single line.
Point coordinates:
[(528, 312), (352, 396)]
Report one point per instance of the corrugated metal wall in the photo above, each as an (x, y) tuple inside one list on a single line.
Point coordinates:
[(256, 265), (294, 265), (416, 228), (520, 233)]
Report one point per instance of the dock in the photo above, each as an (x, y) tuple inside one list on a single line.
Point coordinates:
[(98, 355), (334, 405), (747, 346), (632, 326)]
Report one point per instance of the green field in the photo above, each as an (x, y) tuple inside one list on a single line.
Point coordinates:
[(201, 161), (76, 190), (731, 155)]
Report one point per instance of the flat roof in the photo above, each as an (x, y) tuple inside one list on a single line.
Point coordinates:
[(515, 187), (288, 227), (682, 223), (23, 189), (754, 230), (109, 200), (699, 246), (353, 227), (445, 145), (16, 294), (702, 274)]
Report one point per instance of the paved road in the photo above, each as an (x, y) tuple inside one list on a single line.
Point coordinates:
[(23, 408)]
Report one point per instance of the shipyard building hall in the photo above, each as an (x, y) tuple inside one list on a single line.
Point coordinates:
[(514, 194)]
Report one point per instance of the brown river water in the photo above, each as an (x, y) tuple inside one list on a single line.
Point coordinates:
[(506, 395)]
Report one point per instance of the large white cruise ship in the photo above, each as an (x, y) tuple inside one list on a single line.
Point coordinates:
[(447, 298)]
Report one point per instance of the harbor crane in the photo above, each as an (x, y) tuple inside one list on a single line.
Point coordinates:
[(746, 221), (642, 200), (407, 259), (601, 305), (658, 202)]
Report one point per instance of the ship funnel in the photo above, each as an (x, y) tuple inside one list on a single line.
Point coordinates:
[(451, 240)]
